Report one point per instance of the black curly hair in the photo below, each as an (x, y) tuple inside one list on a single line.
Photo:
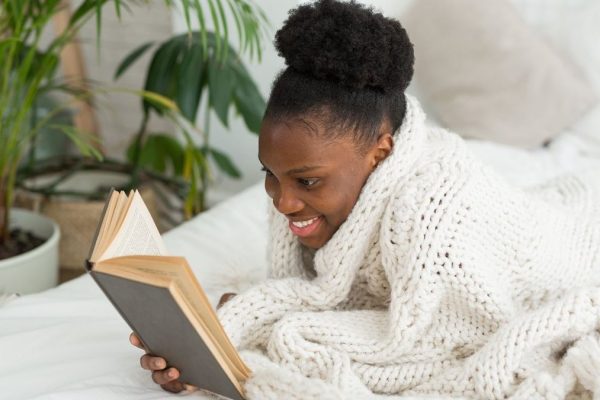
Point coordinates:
[(346, 65)]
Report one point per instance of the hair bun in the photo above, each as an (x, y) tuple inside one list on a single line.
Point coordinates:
[(348, 43)]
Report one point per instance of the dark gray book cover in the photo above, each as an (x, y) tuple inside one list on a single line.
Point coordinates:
[(157, 319)]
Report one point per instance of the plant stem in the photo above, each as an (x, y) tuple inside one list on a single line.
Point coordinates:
[(204, 171), (137, 150), (3, 212), (33, 139), (7, 185)]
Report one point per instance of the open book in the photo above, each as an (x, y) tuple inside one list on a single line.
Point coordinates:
[(160, 298)]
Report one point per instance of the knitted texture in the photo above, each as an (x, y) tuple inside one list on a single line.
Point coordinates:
[(444, 280)]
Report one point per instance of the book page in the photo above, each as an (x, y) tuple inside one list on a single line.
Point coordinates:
[(138, 234), (193, 294), (124, 207), (106, 220), (111, 227)]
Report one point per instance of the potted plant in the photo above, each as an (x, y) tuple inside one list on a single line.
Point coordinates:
[(27, 71), (185, 68), (27, 241)]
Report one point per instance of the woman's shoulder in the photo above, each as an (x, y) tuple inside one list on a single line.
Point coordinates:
[(442, 138), (444, 152), (445, 161)]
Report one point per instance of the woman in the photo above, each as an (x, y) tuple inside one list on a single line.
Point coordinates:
[(399, 264)]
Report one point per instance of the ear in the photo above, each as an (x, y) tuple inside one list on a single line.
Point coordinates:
[(381, 149)]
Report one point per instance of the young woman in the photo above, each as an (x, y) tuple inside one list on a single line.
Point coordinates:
[(399, 264)]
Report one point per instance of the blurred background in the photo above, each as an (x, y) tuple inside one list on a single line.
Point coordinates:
[(145, 94), (560, 25), (566, 27)]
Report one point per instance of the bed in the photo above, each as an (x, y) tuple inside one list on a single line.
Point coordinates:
[(70, 343)]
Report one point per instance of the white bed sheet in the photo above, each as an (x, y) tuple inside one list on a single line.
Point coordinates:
[(69, 342)]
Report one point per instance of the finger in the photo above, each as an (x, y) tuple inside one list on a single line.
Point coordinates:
[(174, 387), (225, 298), (135, 341), (152, 363), (166, 376)]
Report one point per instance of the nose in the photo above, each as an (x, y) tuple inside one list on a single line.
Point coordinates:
[(286, 201)]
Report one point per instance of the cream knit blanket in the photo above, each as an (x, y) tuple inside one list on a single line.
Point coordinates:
[(444, 280)]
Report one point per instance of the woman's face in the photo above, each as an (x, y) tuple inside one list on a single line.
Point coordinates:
[(314, 180)]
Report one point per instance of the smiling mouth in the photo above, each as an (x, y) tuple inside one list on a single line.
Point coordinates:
[(306, 227)]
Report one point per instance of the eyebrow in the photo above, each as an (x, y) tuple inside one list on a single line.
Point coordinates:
[(303, 169), (299, 170)]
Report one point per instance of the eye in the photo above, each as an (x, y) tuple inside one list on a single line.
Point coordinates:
[(266, 171), (309, 182)]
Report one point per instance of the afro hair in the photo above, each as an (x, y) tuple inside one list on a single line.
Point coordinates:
[(346, 65), (347, 43)]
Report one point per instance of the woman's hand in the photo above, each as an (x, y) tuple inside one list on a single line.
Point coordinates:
[(225, 298), (167, 378)]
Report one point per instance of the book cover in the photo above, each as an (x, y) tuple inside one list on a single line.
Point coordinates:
[(164, 306)]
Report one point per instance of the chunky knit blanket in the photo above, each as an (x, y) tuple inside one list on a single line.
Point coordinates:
[(444, 281)]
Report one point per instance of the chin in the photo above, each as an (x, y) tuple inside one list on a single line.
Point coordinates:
[(314, 243), (319, 239)]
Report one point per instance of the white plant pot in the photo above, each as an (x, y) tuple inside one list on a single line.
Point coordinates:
[(37, 269)]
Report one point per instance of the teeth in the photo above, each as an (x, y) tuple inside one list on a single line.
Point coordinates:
[(302, 224)]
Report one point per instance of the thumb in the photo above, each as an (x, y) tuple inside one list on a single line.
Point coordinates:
[(225, 298)]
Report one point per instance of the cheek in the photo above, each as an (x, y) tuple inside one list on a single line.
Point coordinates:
[(341, 198)]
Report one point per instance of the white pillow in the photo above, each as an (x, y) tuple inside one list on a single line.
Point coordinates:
[(487, 75), (572, 28)]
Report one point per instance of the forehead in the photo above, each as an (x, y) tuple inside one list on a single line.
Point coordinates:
[(296, 142)]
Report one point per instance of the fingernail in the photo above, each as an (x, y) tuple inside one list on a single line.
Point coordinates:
[(172, 373)]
